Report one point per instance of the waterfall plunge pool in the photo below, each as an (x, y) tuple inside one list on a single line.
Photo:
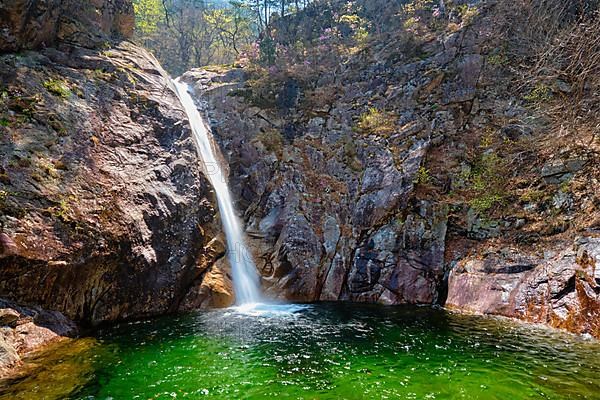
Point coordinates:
[(320, 351)]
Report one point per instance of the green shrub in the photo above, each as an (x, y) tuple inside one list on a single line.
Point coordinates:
[(499, 59), (267, 51), (533, 196), (359, 27), (539, 94), (63, 209), (423, 176), (485, 201), (487, 181), (272, 140), (58, 88), (467, 13), (377, 122)]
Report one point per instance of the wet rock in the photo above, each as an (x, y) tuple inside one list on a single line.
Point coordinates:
[(366, 269), (298, 252), (214, 290), (335, 277)]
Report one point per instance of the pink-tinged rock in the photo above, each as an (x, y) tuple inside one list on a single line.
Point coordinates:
[(7, 246), (116, 223), (8, 317), (560, 291), (334, 281)]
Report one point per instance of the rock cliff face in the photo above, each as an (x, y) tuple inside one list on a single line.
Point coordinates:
[(559, 289), (330, 212), (104, 212), (418, 213)]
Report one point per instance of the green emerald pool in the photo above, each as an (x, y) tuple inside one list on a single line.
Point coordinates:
[(323, 351)]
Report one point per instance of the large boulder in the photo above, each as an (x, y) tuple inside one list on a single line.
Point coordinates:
[(105, 212)]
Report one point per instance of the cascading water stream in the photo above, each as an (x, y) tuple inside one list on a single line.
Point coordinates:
[(245, 278)]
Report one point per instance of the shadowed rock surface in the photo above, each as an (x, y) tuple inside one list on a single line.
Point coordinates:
[(32, 24)]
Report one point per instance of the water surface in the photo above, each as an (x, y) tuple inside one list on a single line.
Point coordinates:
[(323, 351)]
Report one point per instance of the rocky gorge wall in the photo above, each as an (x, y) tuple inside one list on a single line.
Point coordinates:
[(427, 212), (326, 229), (105, 213)]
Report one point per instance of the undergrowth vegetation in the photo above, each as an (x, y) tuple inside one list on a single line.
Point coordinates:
[(58, 88), (272, 140), (556, 45), (487, 179), (377, 122)]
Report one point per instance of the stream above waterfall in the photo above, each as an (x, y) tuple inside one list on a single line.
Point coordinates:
[(321, 351)]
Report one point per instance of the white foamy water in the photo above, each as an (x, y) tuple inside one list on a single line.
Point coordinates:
[(268, 309), (245, 278)]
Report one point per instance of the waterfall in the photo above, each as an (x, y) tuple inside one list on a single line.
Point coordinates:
[(245, 278)]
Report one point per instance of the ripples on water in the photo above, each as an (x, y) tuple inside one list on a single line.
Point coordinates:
[(323, 351)]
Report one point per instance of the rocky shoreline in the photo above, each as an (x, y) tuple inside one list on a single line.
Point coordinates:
[(27, 329)]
